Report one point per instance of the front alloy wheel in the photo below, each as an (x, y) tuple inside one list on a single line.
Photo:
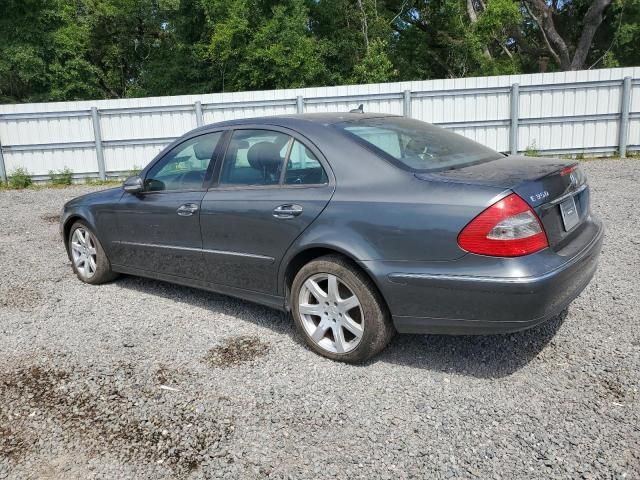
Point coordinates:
[(83, 252), (90, 262)]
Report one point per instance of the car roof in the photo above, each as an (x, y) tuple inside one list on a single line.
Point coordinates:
[(299, 120), (329, 118)]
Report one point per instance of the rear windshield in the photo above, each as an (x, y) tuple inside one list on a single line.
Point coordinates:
[(416, 145)]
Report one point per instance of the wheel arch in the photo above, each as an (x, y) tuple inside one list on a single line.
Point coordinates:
[(68, 223), (298, 260)]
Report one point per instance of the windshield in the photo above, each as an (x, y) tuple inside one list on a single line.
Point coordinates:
[(418, 146)]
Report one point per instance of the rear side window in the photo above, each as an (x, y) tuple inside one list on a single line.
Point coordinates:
[(303, 168), (416, 145), (255, 157)]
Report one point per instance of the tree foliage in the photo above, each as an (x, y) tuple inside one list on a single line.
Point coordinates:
[(81, 49)]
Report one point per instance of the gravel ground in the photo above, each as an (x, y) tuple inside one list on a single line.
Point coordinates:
[(142, 379)]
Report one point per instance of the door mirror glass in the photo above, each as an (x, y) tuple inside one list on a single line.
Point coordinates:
[(133, 184)]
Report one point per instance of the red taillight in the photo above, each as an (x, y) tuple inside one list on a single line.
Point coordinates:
[(508, 228), (568, 170)]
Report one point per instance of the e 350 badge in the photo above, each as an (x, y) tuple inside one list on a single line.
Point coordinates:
[(539, 196)]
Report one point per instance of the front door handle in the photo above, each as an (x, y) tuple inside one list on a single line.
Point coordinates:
[(187, 209), (288, 210)]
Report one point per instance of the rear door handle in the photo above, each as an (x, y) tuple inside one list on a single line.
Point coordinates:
[(187, 209), (288, 210)]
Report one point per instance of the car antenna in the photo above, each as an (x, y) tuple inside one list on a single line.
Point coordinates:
[(360, 109)]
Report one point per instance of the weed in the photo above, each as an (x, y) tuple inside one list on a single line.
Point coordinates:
[(135, 170), (20, 178), (96, 182), (532, 150), (61, 177)]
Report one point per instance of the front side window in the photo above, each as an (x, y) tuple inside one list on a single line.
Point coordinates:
[(255, 157), (185, 166), (416, 145)]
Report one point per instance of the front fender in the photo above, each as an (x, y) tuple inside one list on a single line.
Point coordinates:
[(97, 211), (69, 217)]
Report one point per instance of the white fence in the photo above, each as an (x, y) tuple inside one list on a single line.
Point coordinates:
[(595, 112)]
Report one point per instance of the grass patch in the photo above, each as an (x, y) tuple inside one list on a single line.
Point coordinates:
[(532, 150), (61, 177), (19, 178), (96, 182), (134, 171)]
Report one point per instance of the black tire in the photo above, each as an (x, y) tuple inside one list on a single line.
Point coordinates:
[(377, 327), (103, 272)]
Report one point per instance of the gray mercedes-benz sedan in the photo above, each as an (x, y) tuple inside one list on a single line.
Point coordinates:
[(359, 224)]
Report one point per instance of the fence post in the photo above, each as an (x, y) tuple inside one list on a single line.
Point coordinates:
[(406, 103), (515, 112), (199, 117), (3, 169), (299, 104), (624, 117), (97, 135)]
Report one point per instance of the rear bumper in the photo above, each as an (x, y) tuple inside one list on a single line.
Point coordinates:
[(456, 298)]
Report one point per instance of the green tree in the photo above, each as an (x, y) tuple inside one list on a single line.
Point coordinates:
[(80, 49), (618, 39), (26, 50), (282, 52), (567, 29), (455, 38), (336, 24), (375, 67), (264, 46)]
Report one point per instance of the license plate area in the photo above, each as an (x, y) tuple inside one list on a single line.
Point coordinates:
[(569, 212)]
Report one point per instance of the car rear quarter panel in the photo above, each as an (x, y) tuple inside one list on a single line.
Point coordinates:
[(409, 220), (380, 212)]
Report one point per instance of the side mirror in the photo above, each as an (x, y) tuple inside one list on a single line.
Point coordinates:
[(133, 184)]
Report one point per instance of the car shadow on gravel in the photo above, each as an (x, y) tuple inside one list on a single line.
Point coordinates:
[(214, 302), (481, 356)]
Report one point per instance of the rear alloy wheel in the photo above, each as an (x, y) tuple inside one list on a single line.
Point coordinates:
[(331, 313), (90, 263), (339, 311)]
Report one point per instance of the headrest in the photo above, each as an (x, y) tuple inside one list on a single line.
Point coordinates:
[(417, 147), (204, 147), (264, 155)]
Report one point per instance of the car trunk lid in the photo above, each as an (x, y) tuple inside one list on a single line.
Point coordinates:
[(557, 190)]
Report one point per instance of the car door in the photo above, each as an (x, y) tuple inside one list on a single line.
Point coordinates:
[(159, 228), (272, 185)]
